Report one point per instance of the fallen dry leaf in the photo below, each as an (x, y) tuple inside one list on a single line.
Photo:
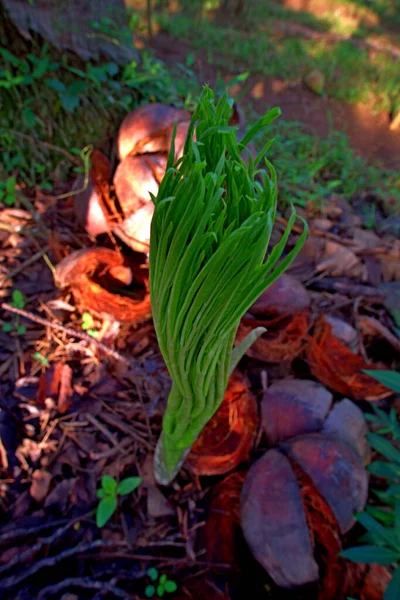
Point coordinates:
[(365, 239), (334, 365), (59, 496), (339, 260), (87, 272), (371, 327), (274, 523), (336, 472), (303, 266), (228, 437), (293, 407), (391, 263), (40, 485)]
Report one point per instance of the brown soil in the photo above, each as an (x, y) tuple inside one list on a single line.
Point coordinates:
[(368, 132)]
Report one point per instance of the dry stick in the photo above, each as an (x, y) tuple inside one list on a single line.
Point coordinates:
[(34, 214), (14, 580), (354, 290), (32, 259), (70, 157), (15, 534), (103, 430), (85, 583), (31, 551), (73, 333)]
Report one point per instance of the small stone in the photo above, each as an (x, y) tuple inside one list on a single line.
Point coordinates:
[(40, 484)]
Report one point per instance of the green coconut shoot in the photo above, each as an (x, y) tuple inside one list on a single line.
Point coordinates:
[(209, 261)]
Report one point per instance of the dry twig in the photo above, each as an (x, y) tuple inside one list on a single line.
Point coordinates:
[(73, 333), (33, 140), (52, 561), (83, 583)]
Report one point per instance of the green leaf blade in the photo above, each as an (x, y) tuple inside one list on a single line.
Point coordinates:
[(370, 555), (105, 510), (109, 484), (170, 586), (393, 589), (390, 379), (128, 485)]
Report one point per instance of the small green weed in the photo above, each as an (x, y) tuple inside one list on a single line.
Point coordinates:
[(18, 301), (52, 103), (324, 166), (41, 358), (108, 496), (370, 216), (160, 584), (382, 524), (351, 71), (88, 324), (7, 191)]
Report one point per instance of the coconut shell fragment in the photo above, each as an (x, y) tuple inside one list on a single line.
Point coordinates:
[(94, 208), (293, 407), (274, 522), (325, 536), (223, 520), (135, 178), (228, 437), (148, 129), (98, 276), (347, 423), (336, 471), (337, 367), (283, 341)]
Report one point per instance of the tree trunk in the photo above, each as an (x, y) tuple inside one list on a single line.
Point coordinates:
[(90, 28)]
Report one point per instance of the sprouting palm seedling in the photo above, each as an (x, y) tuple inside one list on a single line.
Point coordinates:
[(210, 232)]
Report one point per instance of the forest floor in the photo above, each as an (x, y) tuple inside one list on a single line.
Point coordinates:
[(83, 385)]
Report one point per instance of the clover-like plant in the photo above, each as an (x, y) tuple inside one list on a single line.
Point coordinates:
[(210, 232), (160, 584)]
